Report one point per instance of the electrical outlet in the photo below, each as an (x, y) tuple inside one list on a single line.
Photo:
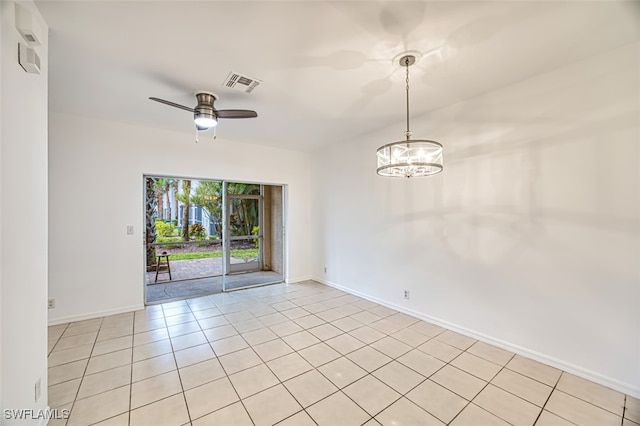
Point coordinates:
[(407, 295), (52, 303), (37, 390), (129, 230)]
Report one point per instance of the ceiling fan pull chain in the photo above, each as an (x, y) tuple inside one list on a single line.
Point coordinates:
[(196, 135), (214, 133)]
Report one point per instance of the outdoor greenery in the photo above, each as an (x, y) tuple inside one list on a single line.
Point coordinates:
[(244, 216), (150, 229), (240, 254), (172, 239), (185, 199), (208, 195), (164, 229), (162, 220), (196, 232)]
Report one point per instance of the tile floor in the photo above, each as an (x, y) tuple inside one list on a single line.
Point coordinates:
[(305, 354)]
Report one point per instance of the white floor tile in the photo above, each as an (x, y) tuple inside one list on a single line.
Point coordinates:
[(592, 392), (234, 414), (371, 394), (319, 354), (100, 407), (194, 355), (168, 411), (464, 384), (507, 406), (286, 331), (210, 397), (473, 415), (103, 381), (240, 360), (528, 389), (337, 409), (300, 340), (271, 406), (437, 400), (310, 387), (253, 380), (289, 366), (342, 372), (535, 370), (418, 361), (369, 358), (399, 377), (154, 389), (299, 419), (580, 412), (476, 366), (272, 349), (405, 413), (198, 374)]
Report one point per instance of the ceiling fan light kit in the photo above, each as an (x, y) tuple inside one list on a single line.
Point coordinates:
[(410, 157), (204, 120)]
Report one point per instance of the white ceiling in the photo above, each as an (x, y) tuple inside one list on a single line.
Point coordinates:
[(327, 66)]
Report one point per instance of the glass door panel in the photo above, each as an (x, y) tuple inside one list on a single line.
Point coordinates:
[(243, 225)]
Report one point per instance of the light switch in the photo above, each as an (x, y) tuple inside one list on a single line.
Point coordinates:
[(129, 230)]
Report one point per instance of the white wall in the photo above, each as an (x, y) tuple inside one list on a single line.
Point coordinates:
[(529, 238), (96, 173), (23, 219)]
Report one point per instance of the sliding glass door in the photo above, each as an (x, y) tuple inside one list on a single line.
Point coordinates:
[(242, 227)]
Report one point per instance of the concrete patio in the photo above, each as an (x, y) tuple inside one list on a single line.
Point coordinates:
[(187, 270), (199, 277)]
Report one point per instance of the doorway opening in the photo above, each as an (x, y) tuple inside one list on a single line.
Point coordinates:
[(207, 236)]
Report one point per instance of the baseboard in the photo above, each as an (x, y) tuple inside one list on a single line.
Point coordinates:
[(92, 315), (297, 279), (596, 377)]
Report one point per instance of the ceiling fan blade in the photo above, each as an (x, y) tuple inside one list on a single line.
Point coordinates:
[(173, 104), (236, 113)]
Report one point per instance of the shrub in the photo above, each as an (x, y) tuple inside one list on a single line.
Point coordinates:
[(254, 231), (196, 231), (167, 239), (164, 229)]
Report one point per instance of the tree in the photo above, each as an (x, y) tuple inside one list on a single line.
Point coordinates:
[(159, 186), (208, 196), (167, 190), (150, 205), (185, 199), (244, 212), (175, 183)]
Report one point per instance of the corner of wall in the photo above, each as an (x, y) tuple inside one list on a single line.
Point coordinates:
[(23, 252)]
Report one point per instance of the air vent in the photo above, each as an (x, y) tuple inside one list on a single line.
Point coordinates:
[(241, 82)]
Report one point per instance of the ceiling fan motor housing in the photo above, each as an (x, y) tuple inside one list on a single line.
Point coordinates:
[(205, 104), (204, 114)]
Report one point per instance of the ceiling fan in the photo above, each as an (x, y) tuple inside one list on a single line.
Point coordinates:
[(205, 115)]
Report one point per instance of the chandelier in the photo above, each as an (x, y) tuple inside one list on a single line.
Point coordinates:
[(410, 157)]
